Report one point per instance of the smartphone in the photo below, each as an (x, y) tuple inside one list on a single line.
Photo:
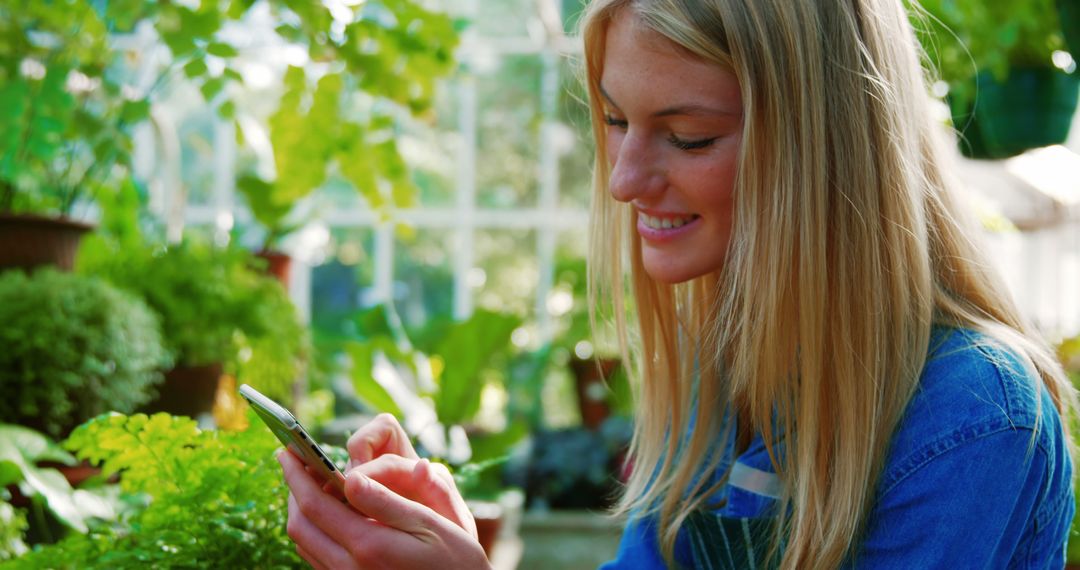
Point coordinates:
[(294, 437)]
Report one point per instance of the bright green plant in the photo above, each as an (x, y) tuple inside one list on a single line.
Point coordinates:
[(73, 347), (277, 348), (204, 294), (215, 499), (965, 37), (386, 62), (67, 101)]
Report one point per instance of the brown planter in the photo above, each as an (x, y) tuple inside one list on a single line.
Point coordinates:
[(28, 241), (278, 264), (187, 391), (489, 519), (592, 390)]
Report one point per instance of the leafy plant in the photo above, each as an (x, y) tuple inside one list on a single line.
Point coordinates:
[(965, 37), (67, 102), (21, 451), (74, 347), (204, 294), (215, 498), (385, 63), (435, 388), (573, 468)]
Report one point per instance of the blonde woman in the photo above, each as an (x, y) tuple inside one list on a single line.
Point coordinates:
[(831, 375)]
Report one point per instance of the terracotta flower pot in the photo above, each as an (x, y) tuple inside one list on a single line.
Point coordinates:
[(592, 390), (28, 241), (489, 518), (279, 265)]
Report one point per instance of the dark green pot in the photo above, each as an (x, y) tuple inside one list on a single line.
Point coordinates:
[(1032, 108)]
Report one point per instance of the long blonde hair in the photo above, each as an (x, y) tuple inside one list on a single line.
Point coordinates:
[(846, 248)]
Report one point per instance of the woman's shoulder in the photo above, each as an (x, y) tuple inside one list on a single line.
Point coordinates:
[(972, 386)]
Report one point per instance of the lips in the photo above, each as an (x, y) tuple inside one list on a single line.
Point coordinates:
[(658, 228)]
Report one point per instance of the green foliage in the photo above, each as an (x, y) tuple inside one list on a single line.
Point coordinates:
[(73, 347), (205, 296), (965, 37), (69, 104), (12, 527), (389, 56), (20, 451), (275, 344), (216, 498)]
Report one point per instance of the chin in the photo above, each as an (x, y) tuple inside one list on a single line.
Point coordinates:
[(671, 275)]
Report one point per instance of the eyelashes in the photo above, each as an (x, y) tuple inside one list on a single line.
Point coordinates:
[(681, 144)]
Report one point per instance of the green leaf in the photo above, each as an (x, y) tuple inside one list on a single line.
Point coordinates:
[(135, 111), (367, 387), (195, 68), (467, 349), (227, 110), (221, 49), (212, 87), (31, 446)]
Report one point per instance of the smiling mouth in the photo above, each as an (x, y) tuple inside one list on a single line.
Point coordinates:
[(666, 223)]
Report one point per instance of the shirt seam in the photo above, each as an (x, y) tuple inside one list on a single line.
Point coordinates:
[(942, 445)]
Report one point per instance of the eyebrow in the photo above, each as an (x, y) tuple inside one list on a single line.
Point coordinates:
[(688, 109)]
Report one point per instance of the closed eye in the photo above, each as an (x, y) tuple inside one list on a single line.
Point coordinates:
[(618, 123), (690, 145)]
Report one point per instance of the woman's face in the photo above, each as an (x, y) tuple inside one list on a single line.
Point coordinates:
[(673, 136)]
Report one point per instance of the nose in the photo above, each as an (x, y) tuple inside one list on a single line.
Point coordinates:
[(636, 172)]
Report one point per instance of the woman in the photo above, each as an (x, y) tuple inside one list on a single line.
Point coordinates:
[(830, 372)]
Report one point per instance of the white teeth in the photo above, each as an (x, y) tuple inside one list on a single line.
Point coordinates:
[(665, 223)]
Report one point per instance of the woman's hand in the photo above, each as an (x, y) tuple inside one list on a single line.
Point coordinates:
[(405, 511)]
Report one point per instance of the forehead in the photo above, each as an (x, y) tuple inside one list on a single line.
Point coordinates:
[(641, 63)]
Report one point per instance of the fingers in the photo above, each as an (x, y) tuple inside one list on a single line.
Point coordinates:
[(380, 436), (400, 533), (312, 544), (427, 483), (375, 500)]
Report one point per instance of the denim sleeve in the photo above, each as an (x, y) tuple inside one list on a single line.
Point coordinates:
[(971, 504)]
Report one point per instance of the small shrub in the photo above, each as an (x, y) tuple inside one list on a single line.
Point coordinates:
[(73, 347)]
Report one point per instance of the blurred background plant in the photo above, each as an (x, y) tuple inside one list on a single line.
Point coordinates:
[(74, 347)]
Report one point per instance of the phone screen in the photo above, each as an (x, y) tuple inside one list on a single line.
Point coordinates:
[(293, 436)]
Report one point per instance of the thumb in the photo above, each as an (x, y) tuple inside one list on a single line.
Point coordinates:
[(376, 501)]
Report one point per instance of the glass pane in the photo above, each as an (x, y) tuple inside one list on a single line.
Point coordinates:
[(197, 156), (505, 18), (424, 276), (430, 148), (573, 138), (508, 117), (506, 271)]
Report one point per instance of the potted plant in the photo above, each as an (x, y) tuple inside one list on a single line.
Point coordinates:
[(1005, 92), (74, 347), (599, 382), (337, 124), (205, 296), (69, 104)]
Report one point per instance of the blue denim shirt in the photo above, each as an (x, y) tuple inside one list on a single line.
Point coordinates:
[(964, 486)]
